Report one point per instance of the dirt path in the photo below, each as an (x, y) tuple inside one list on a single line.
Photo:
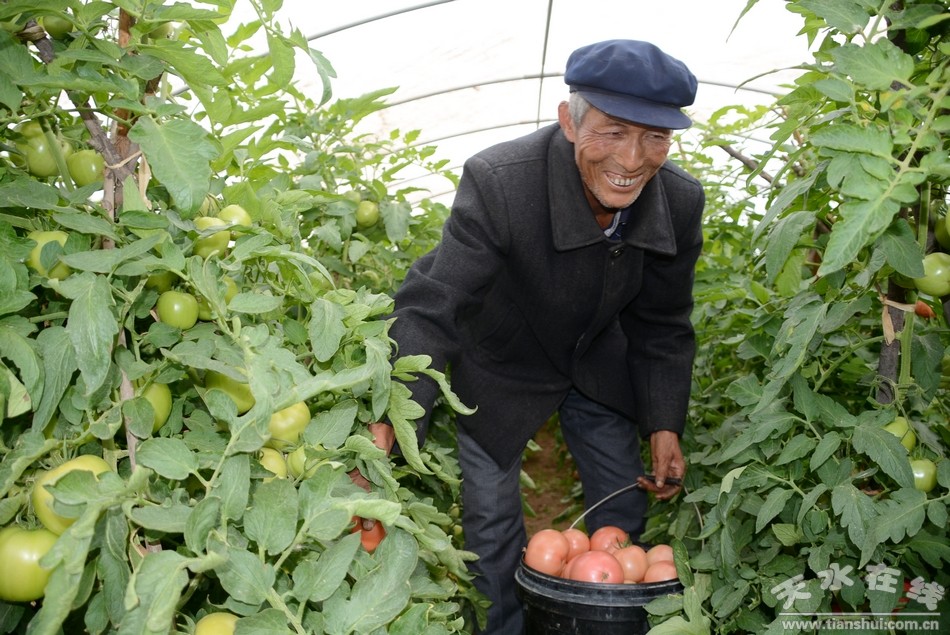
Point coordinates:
[(554, 477)]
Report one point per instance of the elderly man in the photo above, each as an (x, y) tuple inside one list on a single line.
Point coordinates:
[(563, 283)]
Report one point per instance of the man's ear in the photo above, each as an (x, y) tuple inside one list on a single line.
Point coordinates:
[(564, 118)]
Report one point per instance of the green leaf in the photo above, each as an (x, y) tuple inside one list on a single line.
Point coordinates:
[(856, 510), (845, 15), (254, 303), (876, 65), (903, 514), (797, 447), (233, 486), (774, 505), (157, 585), (169, 457), (186, 175), (317, 577), (245, 577), (853, 138), (785, 235), (382, 594), (330, 428), (885, 450), (861, 223), (901, 249), (194, 69), (326, 328), (92, 327), (677, 625), (271, 520), (828, 445), (205, 516)]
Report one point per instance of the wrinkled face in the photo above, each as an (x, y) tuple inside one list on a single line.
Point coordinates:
[(616, 158)]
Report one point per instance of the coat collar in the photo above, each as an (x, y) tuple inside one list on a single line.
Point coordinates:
[(650, 226)]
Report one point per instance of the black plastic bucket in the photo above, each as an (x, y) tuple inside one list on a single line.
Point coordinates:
[(555, 606)]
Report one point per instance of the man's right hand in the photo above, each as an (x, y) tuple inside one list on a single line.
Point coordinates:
[(384, 438)]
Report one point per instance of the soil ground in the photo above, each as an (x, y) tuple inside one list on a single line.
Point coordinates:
[(553, 474)]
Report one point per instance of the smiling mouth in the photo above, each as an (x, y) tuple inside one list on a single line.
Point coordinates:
[(622, 182)]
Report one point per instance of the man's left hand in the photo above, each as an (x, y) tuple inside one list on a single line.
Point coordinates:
[(667, 462)]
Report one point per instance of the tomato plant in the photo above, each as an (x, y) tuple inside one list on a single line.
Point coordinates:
[(547, 551), (238, 391), (367, 214), (85, 167), (42, 498), (273, 461), (936, 278), (216, 623), (213, 241), (285, 426), (23, 579), (178, 309), (235, 215), (902, 429), (39, 263), (188, 520), (159, 396), (597, 566), (925, 474)]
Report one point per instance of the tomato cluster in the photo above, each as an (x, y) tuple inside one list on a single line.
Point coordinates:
[(605, 556)]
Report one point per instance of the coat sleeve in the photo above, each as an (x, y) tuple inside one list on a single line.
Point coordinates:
[(658, 326), (450, 281)]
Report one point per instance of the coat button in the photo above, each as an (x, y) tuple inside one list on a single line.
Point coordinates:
[(617, 252)]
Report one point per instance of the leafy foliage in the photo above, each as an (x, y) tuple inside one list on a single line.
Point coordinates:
[(291, 310), (810, 343)]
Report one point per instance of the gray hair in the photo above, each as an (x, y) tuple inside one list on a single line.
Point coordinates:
[(577, 106)]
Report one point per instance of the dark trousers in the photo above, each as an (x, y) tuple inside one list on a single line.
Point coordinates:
[(606, 449)]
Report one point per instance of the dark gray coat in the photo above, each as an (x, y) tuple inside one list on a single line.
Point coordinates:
[(525, 297)]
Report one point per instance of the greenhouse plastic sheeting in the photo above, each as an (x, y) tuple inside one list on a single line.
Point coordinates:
[(470, 73)]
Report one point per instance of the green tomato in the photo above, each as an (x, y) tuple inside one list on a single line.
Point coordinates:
[(273, 461), (942, 231), (34, 261), (285, 426), (178, 309), (161, 281), (218, 623), (367, 213), (234, 214), (901, 429), (925, 474), (23, 579), (353, 195), (239, 392), (936, 278), (86, 167), (160, 398), (40, 160), (162, 31), (56, 26), (297, 464), (30, 130), (204, 307), (42, 499), (215, 243)]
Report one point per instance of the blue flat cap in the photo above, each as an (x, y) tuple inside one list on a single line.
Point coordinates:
[(634, 81)]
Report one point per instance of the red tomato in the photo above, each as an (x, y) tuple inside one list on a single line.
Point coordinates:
[(547, 551), (657, 553), (596, 566), (578, 540), (633, 559), (660, 571), (609, 538)]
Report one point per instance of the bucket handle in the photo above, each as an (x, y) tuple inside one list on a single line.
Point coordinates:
[(671, 480)]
